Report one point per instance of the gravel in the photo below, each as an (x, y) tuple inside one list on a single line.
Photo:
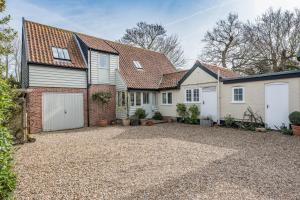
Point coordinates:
[(166, 161)]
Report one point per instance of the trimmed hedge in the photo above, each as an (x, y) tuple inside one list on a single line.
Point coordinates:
[(295, 118)]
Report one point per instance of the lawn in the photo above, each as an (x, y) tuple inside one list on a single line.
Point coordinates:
[(166, 161)]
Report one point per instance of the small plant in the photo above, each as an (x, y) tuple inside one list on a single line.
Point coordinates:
[(284, 130), (140, 113), (251, 120), (182, 111), (157, 116), (229, 121), (295, 118), (194, 111)]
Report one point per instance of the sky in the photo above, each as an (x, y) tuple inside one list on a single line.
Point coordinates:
[(108, 19)]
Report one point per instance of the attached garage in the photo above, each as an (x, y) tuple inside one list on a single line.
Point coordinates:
[(62, 111)]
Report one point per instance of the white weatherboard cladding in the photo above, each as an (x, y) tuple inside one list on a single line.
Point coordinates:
[(103, 76), (62, 111), (43, 76)]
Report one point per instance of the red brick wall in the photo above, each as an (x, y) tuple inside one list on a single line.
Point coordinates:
[(34, 105), (95, 111)]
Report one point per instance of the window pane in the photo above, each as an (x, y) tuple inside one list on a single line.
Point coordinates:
[(60, 53), (196, 95), (146, 97), (104, 62), (55, 53), (119, 98), (188, 95), (238, 94), (164, 98), (138, 98), (170, 98), (123, 99), (66, 54), (131, 98)]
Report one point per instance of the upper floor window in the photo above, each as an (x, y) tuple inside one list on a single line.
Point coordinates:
[(60, 53), (238, 95), (137, 64), (104, 61)]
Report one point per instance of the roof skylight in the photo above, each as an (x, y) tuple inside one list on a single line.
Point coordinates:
[(60, 53), (137, 64)]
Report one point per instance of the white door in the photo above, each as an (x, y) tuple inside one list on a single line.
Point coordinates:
[(147, 104), (209, 103), (277, 105), (62, 111)]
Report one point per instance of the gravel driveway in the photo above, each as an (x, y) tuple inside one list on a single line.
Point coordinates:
[(167, 161)]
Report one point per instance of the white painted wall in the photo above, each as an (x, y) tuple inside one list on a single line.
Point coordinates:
[(44, 76), (103, 76)]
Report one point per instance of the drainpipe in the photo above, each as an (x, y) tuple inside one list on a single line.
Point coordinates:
[(88, 86), (219, 97)]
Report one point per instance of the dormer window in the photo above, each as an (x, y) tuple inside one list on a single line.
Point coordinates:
[(137, 64), (60, 53)]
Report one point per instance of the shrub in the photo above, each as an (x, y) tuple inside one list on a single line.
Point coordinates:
[(251, 120), (295, 118), (157, 116), (7, 176), (181, 110), (140, 113), (284, 130), (194, 111), (229, 121)]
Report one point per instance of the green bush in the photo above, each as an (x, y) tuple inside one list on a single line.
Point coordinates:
[(157, 116), (194, 111), (295, 118), (229, 121), (140, 113), (182, 110), (7, 176)]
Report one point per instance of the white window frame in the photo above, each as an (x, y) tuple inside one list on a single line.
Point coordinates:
[(108, 60), (167, 98), (192, 95), (60, 53), (232, 94)]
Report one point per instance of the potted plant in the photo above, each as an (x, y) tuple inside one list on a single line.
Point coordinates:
[(126, 122), (295, 120), (206, 121), (182, 112), (140, 114), (134, 120), (103, 98)]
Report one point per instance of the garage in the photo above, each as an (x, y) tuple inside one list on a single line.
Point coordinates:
[(62, 111)]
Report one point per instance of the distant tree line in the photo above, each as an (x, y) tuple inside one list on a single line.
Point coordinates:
[(268, 44)]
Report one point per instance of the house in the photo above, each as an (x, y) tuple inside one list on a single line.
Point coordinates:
[(61, 70)]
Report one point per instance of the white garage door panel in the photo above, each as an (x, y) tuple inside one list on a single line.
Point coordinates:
[(62, 111)]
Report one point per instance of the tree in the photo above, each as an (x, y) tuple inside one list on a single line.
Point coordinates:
[(154, 37), (222, 43), (274, 39)]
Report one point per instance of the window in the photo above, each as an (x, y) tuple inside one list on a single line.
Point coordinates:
[(145, 97), (137, 64), (196, 95), (104, 61), (121, 99), (138, 99), (132, 98), (60, 53), (167, 98), (238, 95), (188, 95)]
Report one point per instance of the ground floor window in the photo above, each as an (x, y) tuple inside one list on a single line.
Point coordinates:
[(121, 98), (167, 98), (145, 97), (132, 98), (238, 95), (138, 98)]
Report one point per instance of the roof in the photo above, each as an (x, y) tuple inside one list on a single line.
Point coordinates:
[(262, 77), (171, 80), (154, 64), (41, 38), (96, 43), (224, 73)]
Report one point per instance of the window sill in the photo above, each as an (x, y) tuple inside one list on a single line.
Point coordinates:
[(166, 104), (238, 102)]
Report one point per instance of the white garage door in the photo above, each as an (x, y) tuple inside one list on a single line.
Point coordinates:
[(62, 111)]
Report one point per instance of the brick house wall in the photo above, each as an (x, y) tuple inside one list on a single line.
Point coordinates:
[(95, 111), (34, 105)]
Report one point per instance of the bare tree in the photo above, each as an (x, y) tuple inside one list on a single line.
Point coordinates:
[(274, 39), (154, 37), (223, 41)]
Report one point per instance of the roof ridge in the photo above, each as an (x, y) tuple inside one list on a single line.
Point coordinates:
[(177, 72)]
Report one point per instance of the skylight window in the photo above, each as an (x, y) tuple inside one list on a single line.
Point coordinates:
[(60, 53), (137, 64)]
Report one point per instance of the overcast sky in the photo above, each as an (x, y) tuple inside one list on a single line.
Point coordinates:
[(108, 19)]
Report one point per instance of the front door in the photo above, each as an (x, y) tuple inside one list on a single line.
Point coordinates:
[(277, 105), (209, 103), (147, 105)]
